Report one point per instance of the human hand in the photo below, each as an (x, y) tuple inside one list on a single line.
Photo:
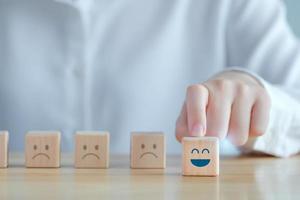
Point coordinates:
[(232, 104)]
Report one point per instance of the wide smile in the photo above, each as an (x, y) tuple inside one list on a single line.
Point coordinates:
[(90, 154), (200, 162), (148, 153), (41, 154)]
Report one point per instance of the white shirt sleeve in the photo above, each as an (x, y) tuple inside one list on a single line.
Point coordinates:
[(261, 42)]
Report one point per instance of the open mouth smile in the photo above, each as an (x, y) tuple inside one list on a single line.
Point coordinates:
[(200, 162)]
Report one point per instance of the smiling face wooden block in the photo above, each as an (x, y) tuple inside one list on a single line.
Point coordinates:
[(42, 149), (148, 150), (200, 156), (91, 149)]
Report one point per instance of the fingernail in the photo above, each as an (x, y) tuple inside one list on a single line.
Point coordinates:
[(198, 130)]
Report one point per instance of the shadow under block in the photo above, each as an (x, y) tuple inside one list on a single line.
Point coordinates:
[(200, 156), (3, 149), (91, 149), (42, 149), (148, 150)]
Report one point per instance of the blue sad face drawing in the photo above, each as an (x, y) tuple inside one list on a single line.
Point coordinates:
[(201, 155)]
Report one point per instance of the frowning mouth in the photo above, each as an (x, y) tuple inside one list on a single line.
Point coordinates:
[(148, 153), (41, 154), (90, 154)]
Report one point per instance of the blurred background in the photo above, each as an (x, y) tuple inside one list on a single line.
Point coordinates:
[(293, 16), (293, 8)]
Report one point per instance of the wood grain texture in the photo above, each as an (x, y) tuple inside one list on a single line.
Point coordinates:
[(242, 177), (148, 150), (200, 156), (4, 136), (42, 149), (91, 149)]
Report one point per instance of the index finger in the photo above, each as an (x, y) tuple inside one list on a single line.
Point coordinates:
[(196, 103)]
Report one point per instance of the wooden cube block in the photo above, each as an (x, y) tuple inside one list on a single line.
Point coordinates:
[(42, 149), (91, 149), (148, 150), (200, 156), (3, 149)]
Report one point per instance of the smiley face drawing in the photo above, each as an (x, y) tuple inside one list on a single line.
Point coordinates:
[(43, 149), (91, 149), (200, 156), (199, 162), (147, 150)]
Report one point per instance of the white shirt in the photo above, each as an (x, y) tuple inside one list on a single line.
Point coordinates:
[(124, 65)]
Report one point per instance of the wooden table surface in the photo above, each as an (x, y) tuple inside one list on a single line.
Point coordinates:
[(251, 177)]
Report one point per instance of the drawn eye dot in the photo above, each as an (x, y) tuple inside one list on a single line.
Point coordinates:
[(46, 146), (34, 147), (154, 146), (142, 146), (96, 147), (84, 147)]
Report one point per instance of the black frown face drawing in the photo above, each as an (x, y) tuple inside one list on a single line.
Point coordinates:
[(147, 150)]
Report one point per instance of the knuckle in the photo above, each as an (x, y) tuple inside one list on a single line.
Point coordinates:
[(191, 89), (196, 89), (202, 89), (264, 94), (243, 90), (223, 84)]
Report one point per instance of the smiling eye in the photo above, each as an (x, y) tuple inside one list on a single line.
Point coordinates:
[(84, 147), (207, 151), (96, 147), (154, 146), (46, 146), (195, 150), (142, 146), (34, 147)]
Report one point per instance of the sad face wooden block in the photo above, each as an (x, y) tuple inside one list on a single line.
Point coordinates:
[(91, 149), (200, 156), (148, 150), (42, 149), (3, 149)]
